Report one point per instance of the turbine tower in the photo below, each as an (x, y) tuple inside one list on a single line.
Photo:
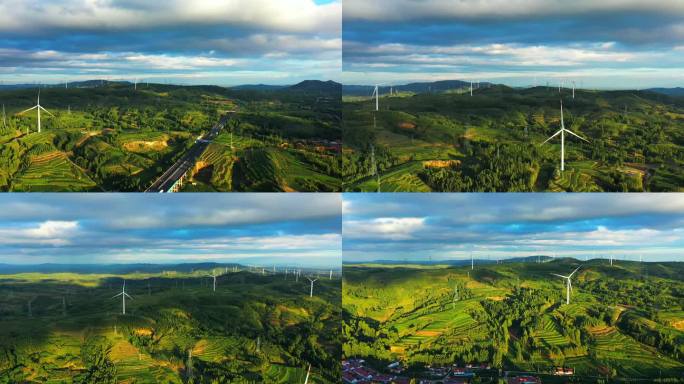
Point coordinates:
[(562, 133), (38, 107), (213, 275), (123, 295), (568, 284), (376, 93), (312, 282)]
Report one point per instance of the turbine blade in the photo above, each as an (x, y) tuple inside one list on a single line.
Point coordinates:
[(573, 272), (129, 296), (34, 107), (46, 111), (554, 135), (117, 295), (576, 135), (555, 274)]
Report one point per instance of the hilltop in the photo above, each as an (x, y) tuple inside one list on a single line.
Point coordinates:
[(441, 86)]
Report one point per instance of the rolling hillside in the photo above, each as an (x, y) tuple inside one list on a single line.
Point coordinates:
[(66, 327), (492, 141), (623, 320)]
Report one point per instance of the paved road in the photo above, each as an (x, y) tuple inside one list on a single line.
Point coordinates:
[(185, 163)]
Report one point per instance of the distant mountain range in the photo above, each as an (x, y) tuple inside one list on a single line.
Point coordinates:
[(678, 91), (426, 87), (459, 262), (306, 85), (307, 263)]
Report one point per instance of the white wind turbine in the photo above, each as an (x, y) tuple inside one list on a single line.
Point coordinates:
[(568, 284), (37, 107), (573, 89), (123, 295), (376, 93), (562, 133), (312, 283), (213, 275)]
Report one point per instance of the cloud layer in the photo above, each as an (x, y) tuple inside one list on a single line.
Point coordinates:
[(207, 41), (117, 228), (606, 44), (450, 226)]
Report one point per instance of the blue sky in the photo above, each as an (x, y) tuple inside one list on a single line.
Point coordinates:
[(293, 229), (598, 44), (223, 42), (449, 226)]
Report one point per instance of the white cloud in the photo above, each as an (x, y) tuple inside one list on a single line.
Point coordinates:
[(49, 233), (392, 228), (403, 10), (292, 16)]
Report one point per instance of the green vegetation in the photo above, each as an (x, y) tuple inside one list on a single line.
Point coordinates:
[(254, 328), (624, 321), (113, 138), (491, 141)]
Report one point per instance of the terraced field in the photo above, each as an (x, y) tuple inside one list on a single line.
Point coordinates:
[(48, 170), (175, 327), (123, 140), (496, 136), (407, 313)]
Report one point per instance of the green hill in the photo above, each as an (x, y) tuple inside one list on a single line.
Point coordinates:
[(625, 320), (176, 329), (492, 141), (114, 138)]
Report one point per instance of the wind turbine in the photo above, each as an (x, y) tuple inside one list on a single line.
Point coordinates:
[(213, 275), (573, 89), (568, 285), (376, 93), (471, 88), (562, 133), (38, 107), (123, 295), (330, 275), (312, 282)]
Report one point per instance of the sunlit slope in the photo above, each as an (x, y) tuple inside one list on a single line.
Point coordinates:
[(115, 138), (625, 318), (253, 328), (492, 141)]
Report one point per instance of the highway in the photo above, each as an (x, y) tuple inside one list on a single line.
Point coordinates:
[(169, 178)]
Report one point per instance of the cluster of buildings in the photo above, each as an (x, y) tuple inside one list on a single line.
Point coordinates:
[(354, 371)]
